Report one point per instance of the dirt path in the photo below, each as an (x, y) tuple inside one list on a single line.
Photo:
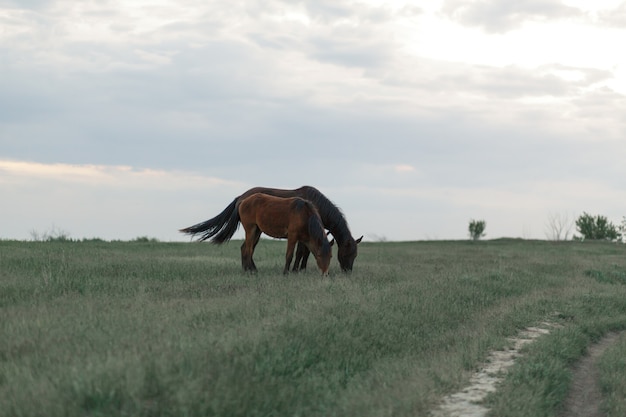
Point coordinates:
[(466, 403), (585, 398)]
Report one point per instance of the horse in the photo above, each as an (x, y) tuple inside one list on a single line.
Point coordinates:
[(223, 226), (295, 219)]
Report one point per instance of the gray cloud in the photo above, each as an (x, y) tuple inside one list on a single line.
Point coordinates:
[(338, 33), (26, 4), (196, 115), (516, 82), (351, 53), (444, 82), (328, 10), (497, 16)]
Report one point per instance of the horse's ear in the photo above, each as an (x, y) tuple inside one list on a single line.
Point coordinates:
[(359, 240), (332, 242)]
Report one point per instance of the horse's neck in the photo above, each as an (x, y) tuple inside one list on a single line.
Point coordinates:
[(339, 230)]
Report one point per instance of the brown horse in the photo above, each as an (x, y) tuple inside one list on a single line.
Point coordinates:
[(223, 226), (295, 219)]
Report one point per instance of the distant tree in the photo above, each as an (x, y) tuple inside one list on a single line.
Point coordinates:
[(145, 239), (52, 235), (596, 227), (622, 230), (477, 229), (558, 227)]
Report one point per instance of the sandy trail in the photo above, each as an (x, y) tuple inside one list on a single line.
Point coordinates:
[(466, 403), (583, 400)]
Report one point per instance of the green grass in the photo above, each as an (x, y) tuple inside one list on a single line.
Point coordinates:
[(176, 329), (612, 381)]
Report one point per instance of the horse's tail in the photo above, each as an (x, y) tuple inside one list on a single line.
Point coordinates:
[(220, 228)]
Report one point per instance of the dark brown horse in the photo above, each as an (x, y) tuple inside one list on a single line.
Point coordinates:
[(295, 219), (223, 226)]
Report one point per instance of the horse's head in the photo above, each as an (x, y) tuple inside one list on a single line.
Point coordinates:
[(347, 254), (323, 254)]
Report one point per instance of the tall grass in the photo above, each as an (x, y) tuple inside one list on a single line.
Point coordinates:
[(612, 381), (148, 328)]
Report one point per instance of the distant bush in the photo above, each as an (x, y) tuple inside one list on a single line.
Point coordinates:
[(52, 235), (477, 229), (622, 230), (596, 227), (93, 240), (145, 239)]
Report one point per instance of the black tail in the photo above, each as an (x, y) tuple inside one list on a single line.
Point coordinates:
[(220, 228)]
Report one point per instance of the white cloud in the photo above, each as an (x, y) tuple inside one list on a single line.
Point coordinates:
[(123, 177), (404, 168)]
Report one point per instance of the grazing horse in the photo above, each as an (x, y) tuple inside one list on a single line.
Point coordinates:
[(223, 226), (292, 218)]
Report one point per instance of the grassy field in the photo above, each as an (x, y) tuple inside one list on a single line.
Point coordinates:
[(176, 329)]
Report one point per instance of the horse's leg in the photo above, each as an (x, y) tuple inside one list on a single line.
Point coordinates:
[(245, 256), (257, 236), (296, 264), (291, 245), (300, 251), (304, 252), (247, 248)]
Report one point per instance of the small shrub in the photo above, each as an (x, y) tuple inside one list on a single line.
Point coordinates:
[(477, 229), (622, 230), (596, 228), (145, 239), (52, 235)]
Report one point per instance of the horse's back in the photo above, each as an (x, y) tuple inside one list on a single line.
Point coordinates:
[(275, 192), (273, 215), (267, 201)]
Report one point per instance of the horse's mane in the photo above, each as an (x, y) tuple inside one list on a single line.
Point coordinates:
[(331, 215), (316, 228)]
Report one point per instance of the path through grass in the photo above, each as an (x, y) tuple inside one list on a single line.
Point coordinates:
[(146, 328)]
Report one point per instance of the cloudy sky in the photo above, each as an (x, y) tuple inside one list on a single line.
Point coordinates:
[(127, 118)]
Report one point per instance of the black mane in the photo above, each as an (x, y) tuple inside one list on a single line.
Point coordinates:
[(331, 215)]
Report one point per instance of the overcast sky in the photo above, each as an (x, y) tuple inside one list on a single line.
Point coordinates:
[(127, 118)]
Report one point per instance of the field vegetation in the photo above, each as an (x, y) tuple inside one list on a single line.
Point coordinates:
[(145, 328)]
